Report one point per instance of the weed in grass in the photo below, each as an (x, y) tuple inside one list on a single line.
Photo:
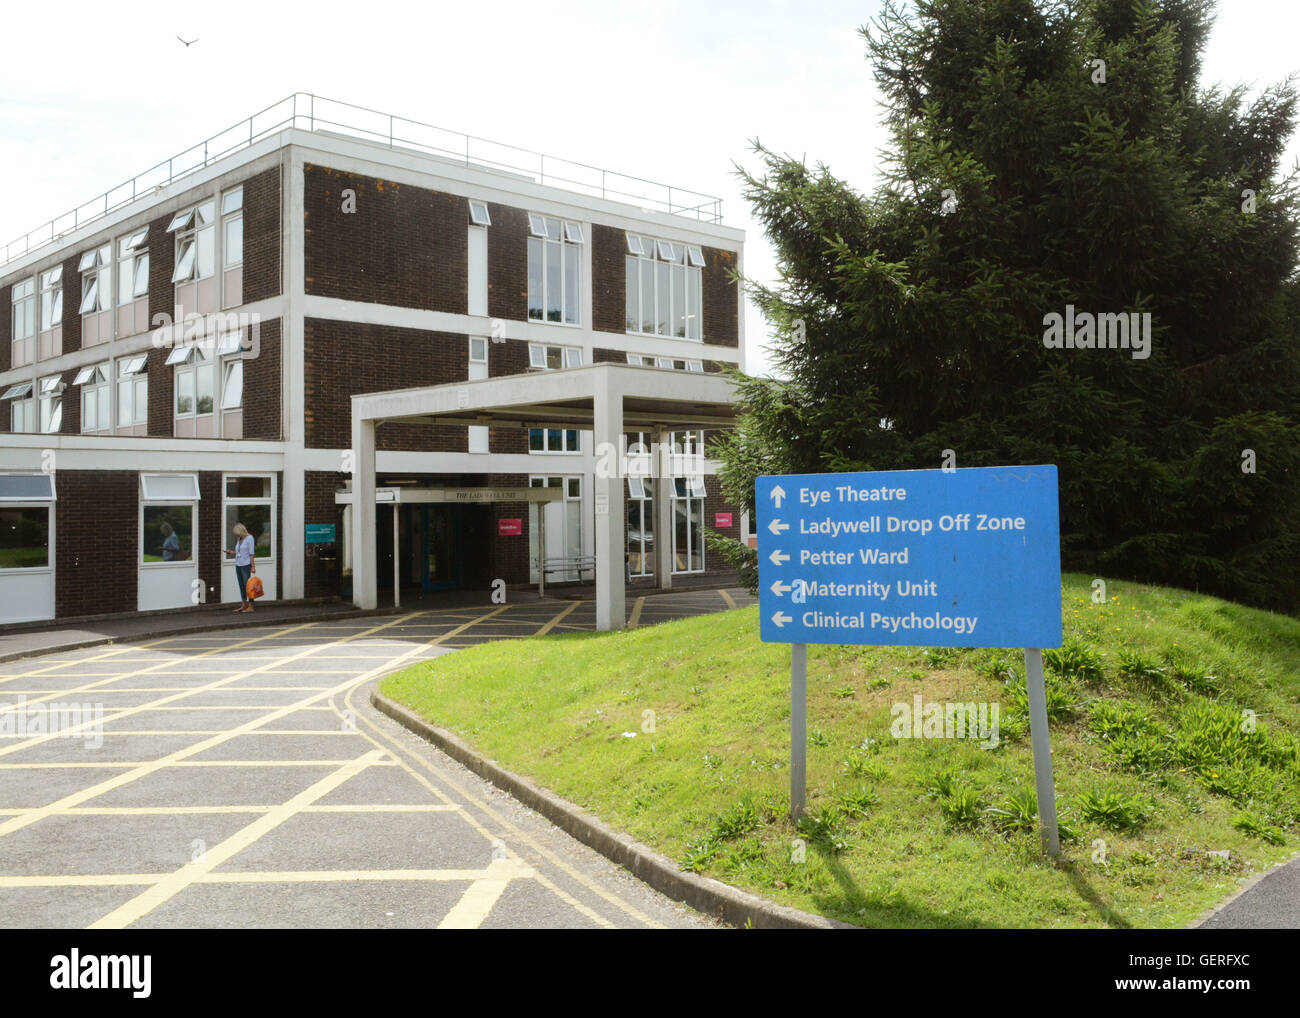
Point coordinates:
[(698, 853), (1062, 701), (818, 738), (1075, 660), (962, 806), (712, 762), (844, 692), (741, 818), (1120, 811), (1017, 812), (742, 856), (1254, 827), (940, 657), (824, 827), (859, 803), (879, 682), (858, 766), (1142, 671)]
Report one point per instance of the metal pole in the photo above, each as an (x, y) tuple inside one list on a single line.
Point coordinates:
[(1036, 689), (798, 728), (397, 562)]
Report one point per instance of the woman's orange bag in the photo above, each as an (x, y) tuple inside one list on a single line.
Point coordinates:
[(254, 588)]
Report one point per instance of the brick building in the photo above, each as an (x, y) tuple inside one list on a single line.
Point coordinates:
[(185, 359)]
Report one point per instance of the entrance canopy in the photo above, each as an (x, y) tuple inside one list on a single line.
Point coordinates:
[(608, 399)]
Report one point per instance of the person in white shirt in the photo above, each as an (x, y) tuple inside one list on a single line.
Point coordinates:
[(245, 564)]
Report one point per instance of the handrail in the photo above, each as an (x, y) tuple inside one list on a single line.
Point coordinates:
[(307, 111)]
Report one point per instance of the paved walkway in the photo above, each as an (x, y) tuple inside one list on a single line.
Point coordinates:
[(241, 779)]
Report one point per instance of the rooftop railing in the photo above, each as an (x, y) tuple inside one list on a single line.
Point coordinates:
[(306, 111)]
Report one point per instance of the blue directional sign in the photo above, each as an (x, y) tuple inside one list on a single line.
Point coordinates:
[(960, 558)]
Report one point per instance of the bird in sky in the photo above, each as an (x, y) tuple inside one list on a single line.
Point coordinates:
[(190, 43)]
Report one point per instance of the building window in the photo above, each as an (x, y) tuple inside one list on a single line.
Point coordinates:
[(554, 269), (232, 228), (23, 321), (478, 369), (688, 524), (26, 520), (251, 501), (232, 385), (52, 298), (543, 356), (664, 287), (95, 397), (478, 213), (195, 242), (96, 268), (195, 379), (553, 440), (133, 267), (167, 517), (640, 526), (22, 412), (132, 391), (563, 529), (51, 400)]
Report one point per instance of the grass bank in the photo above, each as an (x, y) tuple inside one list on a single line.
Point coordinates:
[(1175, 731)]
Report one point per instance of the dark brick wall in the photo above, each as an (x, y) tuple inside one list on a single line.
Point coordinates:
[(321, 579), (509, 556), (6, 330), (96, 543), (162, 292), (508, 263), (72, 302), (211, 536), (608, 279), (262, 385), (721, 314), (162, 382), (344, 359), (262, 235), (508, 358), (71, 424), (602, 356), (404, 246)]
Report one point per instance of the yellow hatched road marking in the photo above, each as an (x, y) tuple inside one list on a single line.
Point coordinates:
[(150, 811), (478, 899), (159, 704), (55, 695), (77, 798), (402, 752), (78, 765), (637, 605), (731, 602), (551, 624), (507, 869), (170, 886)]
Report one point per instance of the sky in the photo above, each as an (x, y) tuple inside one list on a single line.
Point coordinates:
[(670, 91)]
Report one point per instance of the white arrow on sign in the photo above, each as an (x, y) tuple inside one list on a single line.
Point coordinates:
[(778, 556), (781, 618), (780, 589), (777, 494), (776, 526)]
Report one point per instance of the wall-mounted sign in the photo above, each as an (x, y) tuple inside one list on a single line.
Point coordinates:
[(721, 520), (320, 533), (510, 528)]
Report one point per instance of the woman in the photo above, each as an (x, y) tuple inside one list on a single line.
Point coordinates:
[(171, 547), (245, 564)]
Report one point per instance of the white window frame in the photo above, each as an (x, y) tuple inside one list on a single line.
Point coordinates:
[(693, 493), (49, 391), (96, 268), (552, 237), (228, 500), (148, 498), (96, 382), (51, 300), (196, 358), (539, 356), (22, 411), (22, 317), (45, 501), (688, 258), (194, 234), (232, 211), (479, 215), (133, 384), (132, 264)]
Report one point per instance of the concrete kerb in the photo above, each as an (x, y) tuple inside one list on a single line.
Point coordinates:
[(1247, 885), (704, 894)]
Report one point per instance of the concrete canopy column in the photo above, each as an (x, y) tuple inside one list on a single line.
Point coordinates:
[(365, 589), (663, 509), (607, 426)]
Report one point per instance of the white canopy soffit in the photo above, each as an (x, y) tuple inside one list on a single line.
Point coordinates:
[(564, 396), (607, 399)]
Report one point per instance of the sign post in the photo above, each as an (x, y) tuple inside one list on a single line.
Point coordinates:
[(959, 558)]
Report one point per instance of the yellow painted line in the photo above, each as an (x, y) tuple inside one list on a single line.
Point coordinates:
[(66, 765), (402, 753), (170, 886), (477, 901), (161, 811), (77, 798), (504, 870), (731, 601), (47, 669), (551, 625), (637, 605), (63, 693)]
